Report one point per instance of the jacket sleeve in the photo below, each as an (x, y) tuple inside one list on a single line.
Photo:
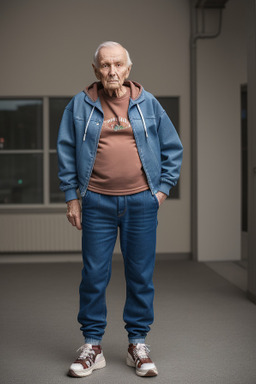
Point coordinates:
[(171, 153), (66, 149)]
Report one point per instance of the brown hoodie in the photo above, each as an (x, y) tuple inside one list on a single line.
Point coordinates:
[(117, 169)]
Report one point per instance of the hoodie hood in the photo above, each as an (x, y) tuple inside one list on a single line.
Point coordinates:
[(93, 93), (92, 90)]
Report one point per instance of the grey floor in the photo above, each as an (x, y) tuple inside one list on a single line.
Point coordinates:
[(204, 330)]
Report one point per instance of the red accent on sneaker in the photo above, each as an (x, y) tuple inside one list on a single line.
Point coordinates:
[(138, 357), (87, 361)]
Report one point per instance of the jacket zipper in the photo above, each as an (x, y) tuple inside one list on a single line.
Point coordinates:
[(95, 153)]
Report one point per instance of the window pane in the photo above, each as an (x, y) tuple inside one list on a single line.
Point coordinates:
[(56, 196), (171, 106), (57, 106), (21, 179), (21, 123)]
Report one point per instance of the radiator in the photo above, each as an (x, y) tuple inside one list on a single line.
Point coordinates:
[(38, 233)]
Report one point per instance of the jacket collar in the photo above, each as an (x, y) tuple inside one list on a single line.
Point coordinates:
[(92, 98), (93, 103)]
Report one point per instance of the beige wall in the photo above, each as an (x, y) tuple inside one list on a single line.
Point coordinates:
[(221, 71), (46, 50)]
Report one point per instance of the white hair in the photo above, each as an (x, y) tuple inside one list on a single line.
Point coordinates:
[(109, 44)]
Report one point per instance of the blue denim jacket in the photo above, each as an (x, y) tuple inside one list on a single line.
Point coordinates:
[(158, 143)]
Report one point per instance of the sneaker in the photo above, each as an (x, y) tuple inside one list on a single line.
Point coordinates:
[(138, 358), (90, 358)]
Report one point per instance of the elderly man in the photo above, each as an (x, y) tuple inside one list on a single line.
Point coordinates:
[(118, 146)]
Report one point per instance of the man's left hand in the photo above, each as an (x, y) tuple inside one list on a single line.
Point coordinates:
[(161, 197)]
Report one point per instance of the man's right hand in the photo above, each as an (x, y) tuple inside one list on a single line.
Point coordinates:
[(74, 213)]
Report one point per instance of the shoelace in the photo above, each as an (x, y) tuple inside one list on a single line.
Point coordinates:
[(141, 351), (86, 352)]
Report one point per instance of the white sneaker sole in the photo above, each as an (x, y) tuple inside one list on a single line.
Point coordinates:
[(86, 372), (140, 372)]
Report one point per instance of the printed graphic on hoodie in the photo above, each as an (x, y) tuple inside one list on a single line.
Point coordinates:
[(117, 123)]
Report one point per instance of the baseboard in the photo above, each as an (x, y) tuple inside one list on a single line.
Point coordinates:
[(162, 256), (76, 257)]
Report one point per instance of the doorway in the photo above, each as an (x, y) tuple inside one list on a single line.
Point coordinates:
[(244, 175)]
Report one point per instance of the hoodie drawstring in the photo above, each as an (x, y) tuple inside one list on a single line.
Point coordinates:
[(142, 118), (88, 122)]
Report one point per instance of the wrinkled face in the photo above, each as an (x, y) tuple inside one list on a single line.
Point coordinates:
[(112, 68)]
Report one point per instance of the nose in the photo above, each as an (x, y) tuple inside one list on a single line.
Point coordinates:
[(112, 70)]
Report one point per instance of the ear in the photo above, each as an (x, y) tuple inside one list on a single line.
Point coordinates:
[(128, 72), (96, 71)]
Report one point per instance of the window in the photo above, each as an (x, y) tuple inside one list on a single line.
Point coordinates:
[(28, 155)]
